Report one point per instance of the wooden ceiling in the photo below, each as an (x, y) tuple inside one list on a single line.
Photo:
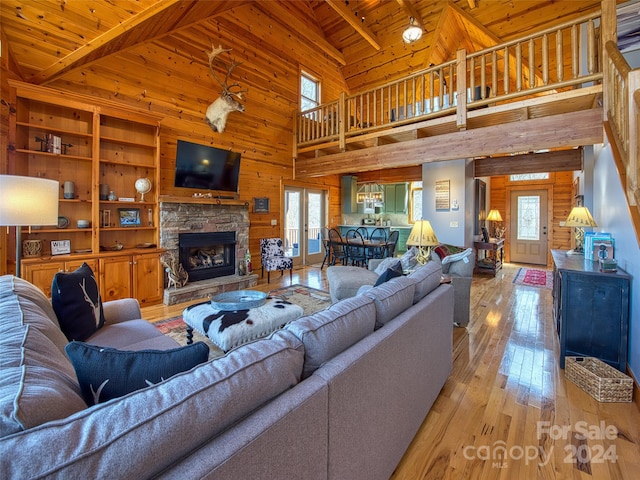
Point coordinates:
[(49, 40)]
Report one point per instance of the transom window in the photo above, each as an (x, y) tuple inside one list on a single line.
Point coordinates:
[(523, 177)]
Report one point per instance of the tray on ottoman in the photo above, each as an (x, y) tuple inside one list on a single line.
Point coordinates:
[(598, 379)]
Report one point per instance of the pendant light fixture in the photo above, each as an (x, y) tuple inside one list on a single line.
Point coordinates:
[(413, 32)]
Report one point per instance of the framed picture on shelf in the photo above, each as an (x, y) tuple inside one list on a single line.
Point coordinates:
[(129, 217)]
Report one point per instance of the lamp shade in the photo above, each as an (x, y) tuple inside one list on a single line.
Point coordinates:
[(580, 217), (422, 234), (412, 33), (494, 216), (26, 201)]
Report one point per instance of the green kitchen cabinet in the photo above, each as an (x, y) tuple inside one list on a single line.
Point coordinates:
[(395, 198)]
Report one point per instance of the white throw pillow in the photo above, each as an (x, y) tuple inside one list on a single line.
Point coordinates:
[(408, 260), (458, 256), (385, 264)]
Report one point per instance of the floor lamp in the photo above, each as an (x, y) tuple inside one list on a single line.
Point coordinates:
[(27, 201), (580, 217), (422, 235)]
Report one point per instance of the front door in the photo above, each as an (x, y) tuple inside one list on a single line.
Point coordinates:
[(528, 237), (305, 215)]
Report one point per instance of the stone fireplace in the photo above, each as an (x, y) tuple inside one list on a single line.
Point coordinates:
[(208, 255), (216, 236)]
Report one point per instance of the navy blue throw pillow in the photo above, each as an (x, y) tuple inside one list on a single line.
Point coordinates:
[(388, 274), (75, 298), (105, 373)]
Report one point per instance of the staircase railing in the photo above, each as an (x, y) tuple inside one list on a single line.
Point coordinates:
[(623, 125), (564, 56)]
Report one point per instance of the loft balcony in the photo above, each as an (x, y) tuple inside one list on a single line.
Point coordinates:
[(542, 91)]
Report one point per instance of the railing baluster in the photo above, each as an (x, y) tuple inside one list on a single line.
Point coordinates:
[(545, 59), (494, 74), (483, 77), (518, 67), (574, 52), (472, 78), (507, 78), (591, 48), (559, 56), (532, 64)]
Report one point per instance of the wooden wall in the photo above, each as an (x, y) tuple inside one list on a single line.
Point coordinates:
[(560, 201), (171, 76)]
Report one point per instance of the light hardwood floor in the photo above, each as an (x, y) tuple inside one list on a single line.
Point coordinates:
[(506, 411)]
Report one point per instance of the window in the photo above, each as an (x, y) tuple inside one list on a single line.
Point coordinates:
[(523, 177), (309, 91), (415, 201)]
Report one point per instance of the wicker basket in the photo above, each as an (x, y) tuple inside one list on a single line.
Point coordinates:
[(601, 381)]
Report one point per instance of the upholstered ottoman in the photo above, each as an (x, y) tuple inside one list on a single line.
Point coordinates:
[(228, 329)]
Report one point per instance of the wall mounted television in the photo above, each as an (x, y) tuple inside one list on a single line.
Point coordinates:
[(205, 167)]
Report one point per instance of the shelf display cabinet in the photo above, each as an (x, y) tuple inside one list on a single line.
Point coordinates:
[(97, 150)]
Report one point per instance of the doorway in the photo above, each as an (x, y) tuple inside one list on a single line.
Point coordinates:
[(305, 214), (528, 227)]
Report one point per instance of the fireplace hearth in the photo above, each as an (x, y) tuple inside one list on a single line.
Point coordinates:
[(207, 255)]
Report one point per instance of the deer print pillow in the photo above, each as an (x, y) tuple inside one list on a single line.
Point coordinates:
[(75, 298)]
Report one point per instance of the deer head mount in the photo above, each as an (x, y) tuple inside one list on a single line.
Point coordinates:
[(219, 110)]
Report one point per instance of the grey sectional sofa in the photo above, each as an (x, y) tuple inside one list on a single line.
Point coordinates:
[(326, 397)]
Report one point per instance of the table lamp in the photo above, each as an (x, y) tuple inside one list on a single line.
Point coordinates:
[(422, 235), (494, 216), (27, 201), (580, 217)]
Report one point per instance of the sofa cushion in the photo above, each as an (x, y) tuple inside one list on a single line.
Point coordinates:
[(427, 278), (175, 417), (106, 373), (387, 275), (391, 298), (37, 381), (329, 332), (389, 262), (76, 300), (408, 260)]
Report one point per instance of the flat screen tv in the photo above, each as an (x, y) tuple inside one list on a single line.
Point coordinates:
[(204, 167)]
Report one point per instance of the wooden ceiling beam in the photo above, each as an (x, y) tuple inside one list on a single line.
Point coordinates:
[(108, 37), (528, 135), (556, 161), (410, 8), (355, 22)]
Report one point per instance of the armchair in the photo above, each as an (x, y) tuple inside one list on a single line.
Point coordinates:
[(272, 257)]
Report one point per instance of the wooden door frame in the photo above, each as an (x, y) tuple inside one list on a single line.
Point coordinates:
[(537, 186)]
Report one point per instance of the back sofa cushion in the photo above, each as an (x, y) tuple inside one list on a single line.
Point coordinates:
[(427, 279), (391, 298), (37, 382), (329, 332), (180, 415)]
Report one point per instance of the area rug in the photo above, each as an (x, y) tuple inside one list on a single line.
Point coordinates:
[(310, 299), (534, 278)]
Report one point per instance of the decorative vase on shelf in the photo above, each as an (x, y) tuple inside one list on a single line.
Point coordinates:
[(112, 196)]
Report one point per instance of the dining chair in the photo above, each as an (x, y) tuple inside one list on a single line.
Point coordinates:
[(378, 235), (337, 246), (356, 248), (392, 242), (364, 232), (272, 257), (324, 235)]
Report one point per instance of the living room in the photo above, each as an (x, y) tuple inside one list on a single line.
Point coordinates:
[(167, 75)]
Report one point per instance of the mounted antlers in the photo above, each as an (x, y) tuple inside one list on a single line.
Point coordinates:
[(218, 111)]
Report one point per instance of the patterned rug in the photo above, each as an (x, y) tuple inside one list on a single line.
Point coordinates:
[(534, 278), (310, 299)]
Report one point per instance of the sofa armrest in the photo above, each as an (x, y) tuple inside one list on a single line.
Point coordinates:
[(117, 311)]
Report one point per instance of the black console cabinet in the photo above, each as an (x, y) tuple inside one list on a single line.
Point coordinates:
[(591, 310)]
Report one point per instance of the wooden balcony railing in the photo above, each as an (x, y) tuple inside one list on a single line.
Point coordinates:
[(623, 125), (561, 57)]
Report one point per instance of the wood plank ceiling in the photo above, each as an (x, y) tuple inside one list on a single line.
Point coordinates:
[(49, 38), (120, 48)]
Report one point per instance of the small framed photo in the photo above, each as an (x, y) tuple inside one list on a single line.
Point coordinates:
[(261, 205), (129, 217)]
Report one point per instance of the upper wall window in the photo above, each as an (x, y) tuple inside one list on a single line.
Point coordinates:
[(523, 177), (309, 91)]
